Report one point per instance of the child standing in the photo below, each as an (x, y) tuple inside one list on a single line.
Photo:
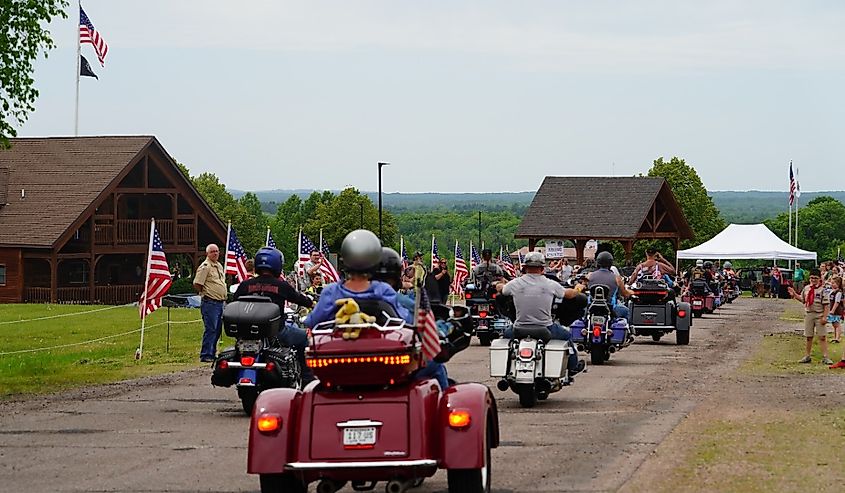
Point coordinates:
[(836, 308), (816, 309)]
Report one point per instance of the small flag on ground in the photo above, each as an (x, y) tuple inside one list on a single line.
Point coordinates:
[(85, 68), (158, 277), (87, 34), (235, 257), (330, 274), (428, 327), (461, 272)]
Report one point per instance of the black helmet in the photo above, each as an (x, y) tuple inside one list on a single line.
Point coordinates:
[(390, 266), (360, 251), (708, 265), (604, 260), (269, 258), (486, 252)]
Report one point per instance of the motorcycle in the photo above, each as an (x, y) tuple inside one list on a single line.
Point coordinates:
[(488, 322), (532, 364), (257, 361), (600, 332), (700, 298), (654, 311)]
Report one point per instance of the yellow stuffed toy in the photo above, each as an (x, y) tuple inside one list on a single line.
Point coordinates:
[(350, 313)]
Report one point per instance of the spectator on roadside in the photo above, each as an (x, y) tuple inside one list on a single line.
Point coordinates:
[(798, 277), (210, 283), (775, 282), (565, 270), (250, 268), (311, 267), (816, 309), (316, 286), (444, 280), (836, 308), (767, 281)]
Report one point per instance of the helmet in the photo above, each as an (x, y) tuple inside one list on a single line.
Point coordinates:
[(268, 258), (604, 260), (486, 252), (727, 265), (390, 265), (360, 251), (699, 263), (708, 265), (534, 259)]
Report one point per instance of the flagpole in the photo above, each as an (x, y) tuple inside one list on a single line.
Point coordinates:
[(267, 240), (226, 251), (431, 267), (140, 353), (78, 69), (797, 197)]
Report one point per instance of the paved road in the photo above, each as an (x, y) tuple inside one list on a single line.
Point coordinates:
[(177, 433)]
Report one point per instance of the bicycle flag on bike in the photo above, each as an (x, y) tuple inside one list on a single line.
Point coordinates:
[(328, 271), (461, 272), (235, 256), (427, 326), (158, 278), (506, 262)]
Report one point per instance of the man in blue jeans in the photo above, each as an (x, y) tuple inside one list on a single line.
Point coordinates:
[(210, 283)]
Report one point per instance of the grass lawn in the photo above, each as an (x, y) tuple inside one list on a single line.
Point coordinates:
[(110, 359)]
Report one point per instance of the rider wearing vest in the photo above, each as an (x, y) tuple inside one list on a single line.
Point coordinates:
[(533, 295), (487, 271), (614, 283)]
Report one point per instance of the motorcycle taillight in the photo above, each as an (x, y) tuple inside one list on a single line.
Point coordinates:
[(597, 331)]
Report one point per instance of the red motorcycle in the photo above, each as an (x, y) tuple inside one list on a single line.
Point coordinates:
[(700, 298), (369, 418)]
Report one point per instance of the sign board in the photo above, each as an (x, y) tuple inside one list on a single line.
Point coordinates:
[(554, 248)]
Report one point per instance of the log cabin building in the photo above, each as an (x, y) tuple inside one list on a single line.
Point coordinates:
[(75, 217)]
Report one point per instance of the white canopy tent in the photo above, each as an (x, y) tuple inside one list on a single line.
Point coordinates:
[(746, 241)]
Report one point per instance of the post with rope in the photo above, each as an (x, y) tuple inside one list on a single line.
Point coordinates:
[(140, 352)]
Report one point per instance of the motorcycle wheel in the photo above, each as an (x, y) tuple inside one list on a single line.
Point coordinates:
[(248, 396), (682, 337), (697, 314), (597, 356), (472, 480), (484, 340), (656, 337), (281, 483), (527, 395)]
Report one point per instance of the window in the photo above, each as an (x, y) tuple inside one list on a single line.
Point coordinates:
[(2, 275)]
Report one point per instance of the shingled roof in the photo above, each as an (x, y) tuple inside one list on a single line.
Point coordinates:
[(53, 180), (602, 208)]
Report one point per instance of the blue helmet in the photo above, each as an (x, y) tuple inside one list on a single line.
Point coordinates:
[(269, 259)]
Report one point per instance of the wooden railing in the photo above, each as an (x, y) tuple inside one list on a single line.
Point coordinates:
[(79, 295), (104, 295), (117, 294), (36, 295), (137, 231)]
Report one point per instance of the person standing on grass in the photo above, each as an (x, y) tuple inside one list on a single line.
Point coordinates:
[(776, 280), (210, 283), (816, 309), (836, 309), (798, 277)]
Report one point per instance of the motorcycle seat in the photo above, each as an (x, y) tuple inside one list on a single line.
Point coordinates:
[(377, 308), (534, 332)]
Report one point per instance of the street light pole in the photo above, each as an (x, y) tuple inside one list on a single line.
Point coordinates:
[(380, 165)]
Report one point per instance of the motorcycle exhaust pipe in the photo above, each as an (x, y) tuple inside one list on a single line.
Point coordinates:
[(329, 486), (398, 486), (580, 347), (502, 385), (612, 349)]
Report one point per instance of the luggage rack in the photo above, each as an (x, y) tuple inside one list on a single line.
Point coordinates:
[(329, 327)]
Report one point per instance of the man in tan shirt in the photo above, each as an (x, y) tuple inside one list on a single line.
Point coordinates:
[(210, 283)]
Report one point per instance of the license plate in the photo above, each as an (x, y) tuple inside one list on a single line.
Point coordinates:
[(483, 308), (248, 346), (597, 321), (364, 437), (696, 303), (524, 366)]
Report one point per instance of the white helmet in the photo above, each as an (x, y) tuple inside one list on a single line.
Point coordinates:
[(727, 265), (699, 263), (534, 259)]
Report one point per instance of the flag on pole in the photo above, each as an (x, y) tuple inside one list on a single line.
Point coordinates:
[(158, 278), (405, 260), (461, 272), (434, 256), (270, 242), (85, 68), (797, 184), (87, 34), (506, 263), (304, 249), (235, 257), (328, 270), (427, 326), (474, 258), (791, 186)]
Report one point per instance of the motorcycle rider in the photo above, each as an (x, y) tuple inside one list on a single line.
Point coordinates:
[(654, 265), (268, 266), (533, 295), (361, 254), (487, 273), (695, 274), (614, 282)]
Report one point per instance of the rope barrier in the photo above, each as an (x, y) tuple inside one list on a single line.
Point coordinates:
[(82, 343), (64, 315)]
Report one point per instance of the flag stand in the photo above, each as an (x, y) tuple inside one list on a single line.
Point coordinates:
[(140, 352)]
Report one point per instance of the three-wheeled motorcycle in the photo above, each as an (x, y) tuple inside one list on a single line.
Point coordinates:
[(654, 312), (370, 418)]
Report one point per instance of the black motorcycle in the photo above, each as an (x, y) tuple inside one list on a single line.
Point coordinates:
[(258, 361), (488, 321)]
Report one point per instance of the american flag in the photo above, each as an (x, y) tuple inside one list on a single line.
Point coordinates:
[(235, 257), (158, 277), (405, 260), (330, 274), (791, 186), (306, 246), (428, 327), (434, 256), (474, 258), (270, 242), (461, 272), (506, 263), (87, 34)]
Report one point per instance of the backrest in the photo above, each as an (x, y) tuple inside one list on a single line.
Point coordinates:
[(377, 308), (600, 299)]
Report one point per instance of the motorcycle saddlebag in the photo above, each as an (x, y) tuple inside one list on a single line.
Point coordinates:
[(251, 319), (557, 353), (499, 354), (620, 331), (224, 377), (576, 330), (650, 315), (285, 372)]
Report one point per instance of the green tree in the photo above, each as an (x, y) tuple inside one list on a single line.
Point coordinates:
[(821, 226), (252, 230), (340, 215), (698, 207), (285, 226), (24, 37)]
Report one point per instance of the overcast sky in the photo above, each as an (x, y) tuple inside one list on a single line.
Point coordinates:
[(463, 96)]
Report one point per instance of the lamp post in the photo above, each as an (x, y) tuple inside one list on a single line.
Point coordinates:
[(361, 205), (379, 198)]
